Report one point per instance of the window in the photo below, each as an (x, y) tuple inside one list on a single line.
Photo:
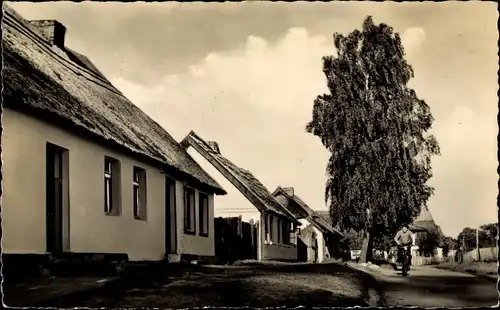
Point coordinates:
[(286, 232), (203, 206), (189, 211), (266, 227), (112, 195), (139, 187), (280, 228), (271, 228), (293, 234)]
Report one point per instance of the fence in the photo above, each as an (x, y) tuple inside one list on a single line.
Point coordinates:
[(235, 239), (486, 255)]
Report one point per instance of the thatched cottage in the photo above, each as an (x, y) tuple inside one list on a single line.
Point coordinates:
[(320, 238), (277, 226), (84, 169)]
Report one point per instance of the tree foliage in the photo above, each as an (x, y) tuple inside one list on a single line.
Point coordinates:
[(467, 238), (376, 129), (487, 235), (449, 244), (428, 242), (354, 239), (490, 230)]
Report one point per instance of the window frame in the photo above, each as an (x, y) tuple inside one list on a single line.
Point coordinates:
[(201, 197), (271, 230), (279, 222), (286, 232), (112, 186), (191, 230), (267, 235), (139, 193)]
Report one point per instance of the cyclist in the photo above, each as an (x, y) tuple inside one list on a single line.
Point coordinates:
[(404, 238)]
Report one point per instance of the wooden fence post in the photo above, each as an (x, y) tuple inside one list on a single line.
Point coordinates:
[(252, 233), (240, 226)]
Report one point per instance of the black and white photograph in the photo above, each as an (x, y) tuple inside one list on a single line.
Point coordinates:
[(253, 154)]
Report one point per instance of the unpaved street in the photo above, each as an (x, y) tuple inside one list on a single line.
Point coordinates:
[(292, 285), (327, 285), (431, 287)]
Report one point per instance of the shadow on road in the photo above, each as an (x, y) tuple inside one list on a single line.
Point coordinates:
[(461, 290), (367, 282), (255, 286)]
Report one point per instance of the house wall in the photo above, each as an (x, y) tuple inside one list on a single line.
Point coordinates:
[(321, 245), (271, 250), (280, 252), (235, 203), (90, 229), (194, 244), (320, 241)]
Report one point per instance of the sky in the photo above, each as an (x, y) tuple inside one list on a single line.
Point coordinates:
[(246, 75)]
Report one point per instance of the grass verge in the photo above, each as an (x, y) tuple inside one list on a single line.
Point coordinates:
[(482, 269)]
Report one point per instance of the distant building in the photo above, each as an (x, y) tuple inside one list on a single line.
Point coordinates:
[(325, 242), (84, 169), (277, 226), (425, 223)]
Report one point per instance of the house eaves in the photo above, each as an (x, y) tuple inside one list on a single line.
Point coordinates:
[(312, 216), (242, 179)]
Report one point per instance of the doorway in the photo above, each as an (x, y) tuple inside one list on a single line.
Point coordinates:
[(56, 197), (170, 217)]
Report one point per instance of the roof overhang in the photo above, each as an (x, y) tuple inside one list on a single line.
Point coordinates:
[(196, 142), (312, 217)]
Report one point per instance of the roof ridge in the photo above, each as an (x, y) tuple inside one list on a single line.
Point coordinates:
[(34, 35), (312, 214), (258, 183), (425, 216), (41, 78)]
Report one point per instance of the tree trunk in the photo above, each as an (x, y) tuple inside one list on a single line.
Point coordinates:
[(366, 248)]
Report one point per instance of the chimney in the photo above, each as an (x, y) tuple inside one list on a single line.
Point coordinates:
[(52, 30), (214, 146), (289, 191)]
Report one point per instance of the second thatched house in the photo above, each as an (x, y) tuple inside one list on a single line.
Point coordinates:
[(277, 226), (320, 238)]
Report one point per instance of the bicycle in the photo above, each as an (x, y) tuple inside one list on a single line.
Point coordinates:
[(406, 259)]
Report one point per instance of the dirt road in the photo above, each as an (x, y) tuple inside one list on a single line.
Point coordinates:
[(431, 287), (327, 285)]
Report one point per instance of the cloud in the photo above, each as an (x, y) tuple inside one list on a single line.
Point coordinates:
[(260, 76), (256, 100)]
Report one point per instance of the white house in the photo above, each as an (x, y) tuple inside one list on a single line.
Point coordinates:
[(84, 169)]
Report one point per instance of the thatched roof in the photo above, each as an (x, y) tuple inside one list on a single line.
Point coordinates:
[(242, 179), (325, 214), (56, 83), (424, 216), (287, 197), (424, 222)]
